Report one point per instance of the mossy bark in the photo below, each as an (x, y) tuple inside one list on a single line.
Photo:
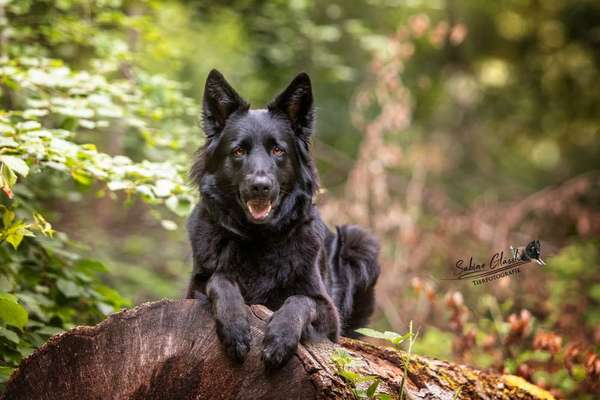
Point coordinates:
[(169, 350)]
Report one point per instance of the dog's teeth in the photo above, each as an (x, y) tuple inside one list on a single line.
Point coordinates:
[(259, 209)]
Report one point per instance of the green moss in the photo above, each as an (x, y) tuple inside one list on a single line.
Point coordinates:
[(517, 382)]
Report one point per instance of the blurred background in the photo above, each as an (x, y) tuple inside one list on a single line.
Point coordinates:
[(451, 129)]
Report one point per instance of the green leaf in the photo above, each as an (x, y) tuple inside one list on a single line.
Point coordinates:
[(82, 177), (90, 267), (180, 206), (42, 225), (15, 238), (25, 349), (8, 175), (16, 164), (28, 125), (390, 336), (5, 373), (371, 333), (68, 288), (111, 296), (120, 185), (399, 339), (8, 217), (168, 225), (163, 187), (12, 312), (49, 331), (9, 335), (350, 376), (15, 233), (7, 142), (373, 388), (4, 128), (364, 378), (7, 180), (341, 358)]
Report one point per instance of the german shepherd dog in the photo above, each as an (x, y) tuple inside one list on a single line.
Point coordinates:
[(257, 237)]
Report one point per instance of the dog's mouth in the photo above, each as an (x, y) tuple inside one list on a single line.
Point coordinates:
[(259, 209)]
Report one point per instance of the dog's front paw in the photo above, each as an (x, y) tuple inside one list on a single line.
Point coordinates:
[(235, 338), (279, 347)]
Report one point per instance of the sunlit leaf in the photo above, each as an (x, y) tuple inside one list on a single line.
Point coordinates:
[(11, 312), (15, 233), (168, 225), (7, 142), (28, 125), (7, 180), (16, 164), (82, 177)]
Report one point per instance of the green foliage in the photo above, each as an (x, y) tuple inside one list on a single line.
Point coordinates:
[(13, 314), (344, 362), (574, 273), (392, 337), (90, 108), (55, 113), (555, 345), (434, 342)]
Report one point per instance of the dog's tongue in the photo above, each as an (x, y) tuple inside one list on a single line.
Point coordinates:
[(259, 209)]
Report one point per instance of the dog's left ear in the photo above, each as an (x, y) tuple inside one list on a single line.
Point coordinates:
[(296, 102)]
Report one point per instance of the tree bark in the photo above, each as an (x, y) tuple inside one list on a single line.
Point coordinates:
[(169, 350)]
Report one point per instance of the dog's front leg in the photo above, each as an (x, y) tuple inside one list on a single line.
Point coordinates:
[(230, 314), (285, 329)]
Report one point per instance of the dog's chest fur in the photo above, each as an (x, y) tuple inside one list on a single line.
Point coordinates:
[(267, 268)]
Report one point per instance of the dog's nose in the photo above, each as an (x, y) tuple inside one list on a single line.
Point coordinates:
[(261, 186)]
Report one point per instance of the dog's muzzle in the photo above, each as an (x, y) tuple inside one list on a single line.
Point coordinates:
[(258, 195)]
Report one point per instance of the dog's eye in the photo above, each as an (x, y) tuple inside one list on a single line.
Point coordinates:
[(239, 152), (277, 151)]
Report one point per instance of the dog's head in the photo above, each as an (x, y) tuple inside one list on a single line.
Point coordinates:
[(255, 167)]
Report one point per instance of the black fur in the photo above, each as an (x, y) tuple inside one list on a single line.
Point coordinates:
[(318, 283)]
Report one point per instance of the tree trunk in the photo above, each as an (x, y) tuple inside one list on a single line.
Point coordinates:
[(169, 350)]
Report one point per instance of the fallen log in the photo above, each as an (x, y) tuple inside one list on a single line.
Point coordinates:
[(169, 350)]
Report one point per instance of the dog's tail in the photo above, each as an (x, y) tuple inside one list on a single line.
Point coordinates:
[(357, 270), (358, 250)]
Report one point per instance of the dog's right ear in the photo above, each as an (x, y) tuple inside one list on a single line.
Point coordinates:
[(220, 101)]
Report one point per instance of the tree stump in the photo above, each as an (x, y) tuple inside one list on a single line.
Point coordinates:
[(169, 350)]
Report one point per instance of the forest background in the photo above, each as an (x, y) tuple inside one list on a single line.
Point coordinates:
[(451, 129)]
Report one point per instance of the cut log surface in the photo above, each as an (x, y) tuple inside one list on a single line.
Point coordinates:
[(169, 350)]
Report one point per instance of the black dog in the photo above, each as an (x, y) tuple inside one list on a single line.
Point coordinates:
[(257, 238)]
